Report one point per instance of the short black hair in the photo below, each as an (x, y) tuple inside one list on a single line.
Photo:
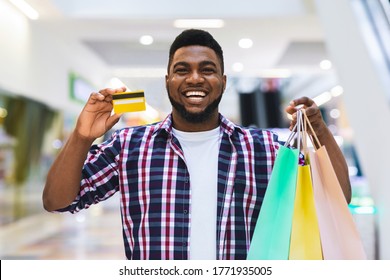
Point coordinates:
[(196, 37)]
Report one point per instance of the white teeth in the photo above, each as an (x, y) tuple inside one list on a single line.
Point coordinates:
[(195, 94)]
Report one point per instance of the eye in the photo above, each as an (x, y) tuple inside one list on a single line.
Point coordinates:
[(208, 70), (181, 70)]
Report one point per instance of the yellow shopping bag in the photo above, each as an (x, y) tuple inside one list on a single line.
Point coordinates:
[(305, 242)]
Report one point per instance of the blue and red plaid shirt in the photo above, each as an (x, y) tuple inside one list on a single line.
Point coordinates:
[(146, 165)]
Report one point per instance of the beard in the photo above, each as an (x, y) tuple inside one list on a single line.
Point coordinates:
[(196, 117)]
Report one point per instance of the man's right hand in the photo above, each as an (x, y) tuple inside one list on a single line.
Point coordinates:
[(96, 119)]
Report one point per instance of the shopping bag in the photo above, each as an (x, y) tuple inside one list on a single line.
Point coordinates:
[(305, 243), (340, 239), (271, 237)]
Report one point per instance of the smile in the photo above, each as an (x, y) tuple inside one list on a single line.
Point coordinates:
[(195, 94)]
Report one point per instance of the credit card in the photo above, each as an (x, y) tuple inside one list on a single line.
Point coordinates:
[(133, 101)]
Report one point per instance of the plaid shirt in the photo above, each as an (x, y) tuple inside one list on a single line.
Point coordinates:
[(146, 165)]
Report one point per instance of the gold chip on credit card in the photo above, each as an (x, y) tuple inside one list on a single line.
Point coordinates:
[(129, 101)]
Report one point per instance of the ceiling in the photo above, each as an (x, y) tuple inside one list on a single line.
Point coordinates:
[(286, 34)]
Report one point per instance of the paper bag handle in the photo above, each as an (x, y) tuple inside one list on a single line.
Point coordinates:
[(296, 130), (301, 125), (314, 138)]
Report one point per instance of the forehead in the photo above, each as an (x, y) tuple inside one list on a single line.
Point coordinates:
[(194, 54)]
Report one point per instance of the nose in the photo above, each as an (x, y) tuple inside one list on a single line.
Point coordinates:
[(195, 77)]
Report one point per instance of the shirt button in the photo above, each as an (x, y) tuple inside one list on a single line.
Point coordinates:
[(185, 211), (184, 244)]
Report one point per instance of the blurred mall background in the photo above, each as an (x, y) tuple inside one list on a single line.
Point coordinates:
[(53, 53)]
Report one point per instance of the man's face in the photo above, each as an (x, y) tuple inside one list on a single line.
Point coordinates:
[(195, 83)]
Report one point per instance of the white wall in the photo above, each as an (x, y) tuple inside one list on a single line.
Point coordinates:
[(366, 102), (35, 60), (14, 49)]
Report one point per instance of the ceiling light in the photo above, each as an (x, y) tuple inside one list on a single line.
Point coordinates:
[(335, 113), (25, 8), (245, 43), (325, 64), (322, 98), (336, 91), (146, 40), (198, 23)]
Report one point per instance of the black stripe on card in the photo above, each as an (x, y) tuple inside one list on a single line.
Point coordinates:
[(128, 95)]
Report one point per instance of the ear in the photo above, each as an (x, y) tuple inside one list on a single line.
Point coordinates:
[(166, 81), (224, 80)]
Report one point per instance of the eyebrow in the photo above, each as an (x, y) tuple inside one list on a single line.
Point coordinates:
[(201, 64), (208, 62)]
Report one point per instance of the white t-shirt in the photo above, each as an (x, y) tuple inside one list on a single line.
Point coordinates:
[(201, 155)]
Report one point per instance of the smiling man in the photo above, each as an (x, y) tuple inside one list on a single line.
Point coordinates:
[(192, 185)]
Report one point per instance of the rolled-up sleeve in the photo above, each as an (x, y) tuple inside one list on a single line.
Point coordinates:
[(99, 179)]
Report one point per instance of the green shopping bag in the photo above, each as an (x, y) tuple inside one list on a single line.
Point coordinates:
[(271, 237)]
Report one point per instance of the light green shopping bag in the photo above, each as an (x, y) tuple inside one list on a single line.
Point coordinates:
[(271, 237)]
